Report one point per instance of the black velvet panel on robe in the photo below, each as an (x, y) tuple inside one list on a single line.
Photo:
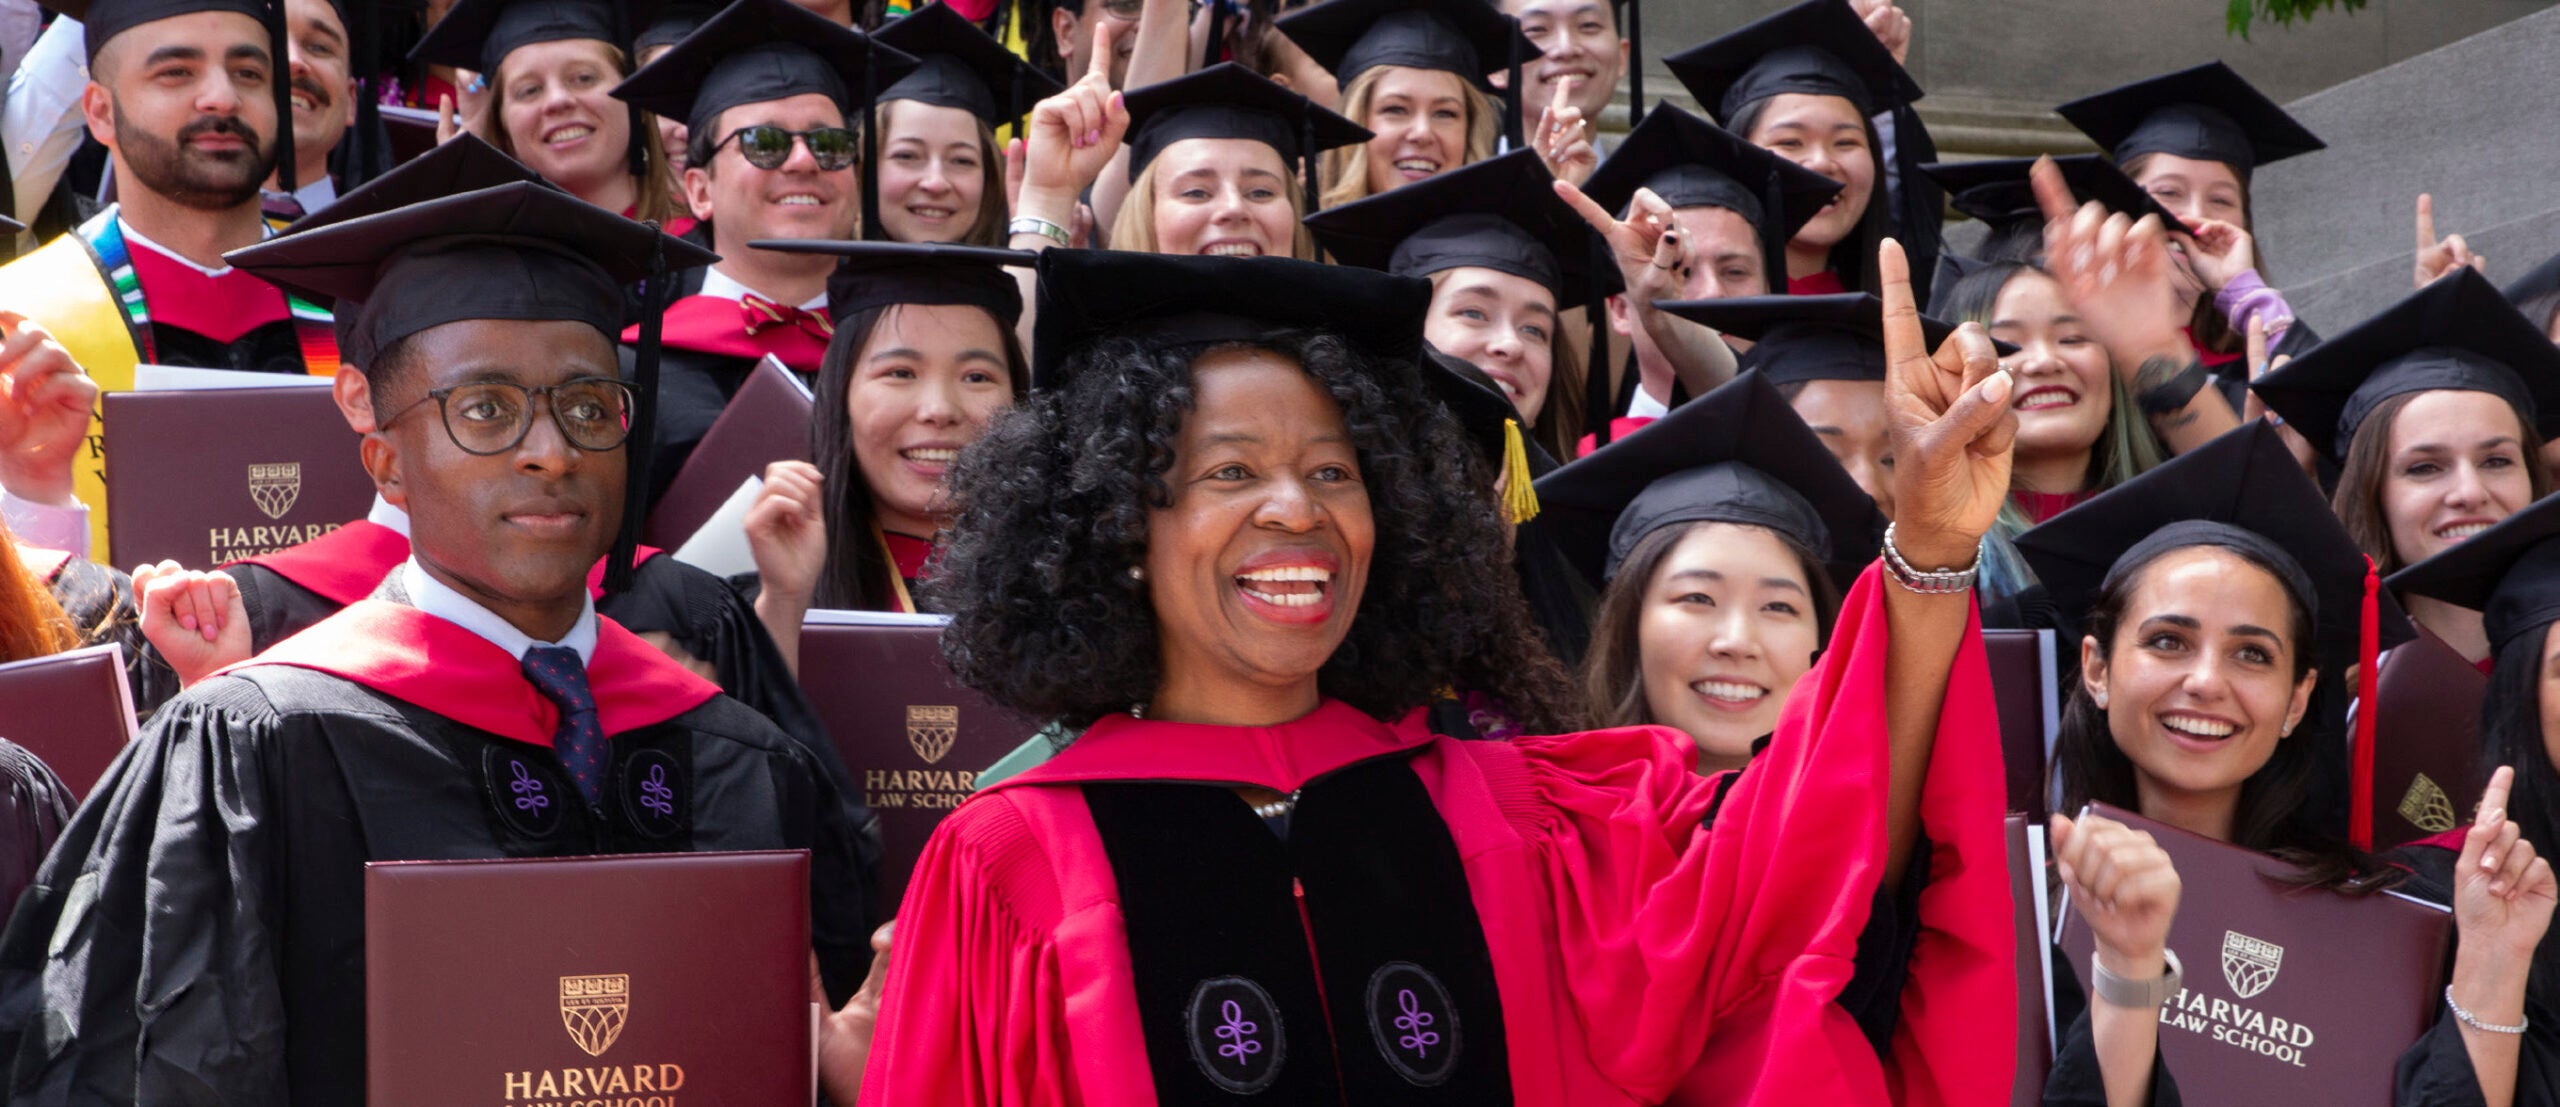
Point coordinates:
[(700, 611), (100, 602), (1342, 964), (2436, 1070), (219, 873), (273, 348), (693, 389)]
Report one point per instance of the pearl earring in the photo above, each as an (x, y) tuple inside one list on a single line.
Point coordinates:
[(2102, 700), (1137, 572)]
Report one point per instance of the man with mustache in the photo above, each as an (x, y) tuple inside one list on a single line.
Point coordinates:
[(475, 706), (769, 93), (321, 72)]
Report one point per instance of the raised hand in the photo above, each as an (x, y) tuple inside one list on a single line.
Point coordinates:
[(1892, 25), (1563, 138), (2114, 269), (1952, 428), (2439, 256), (2123, 886), (2502, 892), (44, 412), (195, 619), (787, 530), (1653, 260), (2219, 252), (1073, 135), (844, 1039)]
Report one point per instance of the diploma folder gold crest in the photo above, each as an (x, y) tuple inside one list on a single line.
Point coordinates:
[(649, 978)]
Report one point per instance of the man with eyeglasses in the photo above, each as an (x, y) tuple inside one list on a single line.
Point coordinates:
[(770, 95), (200, 937)]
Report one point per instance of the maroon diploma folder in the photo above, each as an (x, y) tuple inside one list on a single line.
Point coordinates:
[(2026, 699), (645, 979), (73, 710), (913, 738), (205, 476), (2035, 969), (2292, 996), (767, 421), (2426, 741)]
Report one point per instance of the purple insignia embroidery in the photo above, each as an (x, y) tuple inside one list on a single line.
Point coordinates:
[(1236, 1037), (655, 795), (528, 791), (1414, 1023), (1239, 1028), (1415, 1020)]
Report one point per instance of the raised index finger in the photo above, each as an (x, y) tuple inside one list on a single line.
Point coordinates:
[(1906, 348), (2426, 220), (2053, 194), (1101, 66), (2494, 797)]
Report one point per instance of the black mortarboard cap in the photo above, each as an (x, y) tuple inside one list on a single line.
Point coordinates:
[(1997, 190), (1738, 454), (1818, 47), (1690, 162), (1086, 296), (1471, 38), (1500, 214), (2208, 112), (478, 34), (962, 66), (1837, 337), (756, 51), (1228, 100), (102, 20), (2243, 489), (2458, 333), (877, 274), (462, 164), (678, 19), (523, 250), (2510, 573)]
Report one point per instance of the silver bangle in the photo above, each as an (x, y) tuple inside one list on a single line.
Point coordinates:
[(2473, 1021), (1939, 582), (1032, 224)]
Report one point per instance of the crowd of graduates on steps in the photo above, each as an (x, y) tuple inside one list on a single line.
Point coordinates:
[(1474, 569)]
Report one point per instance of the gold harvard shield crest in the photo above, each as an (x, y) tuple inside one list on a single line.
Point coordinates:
[(931, 728), (595, 1008), (275, 487), (2249, 964), (2427, 807)]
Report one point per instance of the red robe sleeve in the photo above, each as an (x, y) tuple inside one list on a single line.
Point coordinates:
[(1708, 957), (973, 1009)]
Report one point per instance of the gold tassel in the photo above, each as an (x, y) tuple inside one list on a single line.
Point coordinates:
[(1519, 498)]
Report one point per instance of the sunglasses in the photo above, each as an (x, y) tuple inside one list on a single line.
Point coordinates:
[(766, 146)]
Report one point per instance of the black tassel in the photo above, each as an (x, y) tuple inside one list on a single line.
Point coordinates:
[(1217, 33), (282, 44), (641, 448), (1598, 405), (870, 148), (1773, 234), (1513, 95), (1634, 28)]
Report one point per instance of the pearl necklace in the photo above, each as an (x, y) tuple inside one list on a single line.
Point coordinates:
[(1277, 808)]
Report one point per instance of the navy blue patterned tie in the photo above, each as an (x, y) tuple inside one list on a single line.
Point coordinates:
[(579, 741)]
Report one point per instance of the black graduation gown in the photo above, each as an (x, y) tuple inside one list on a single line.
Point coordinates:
[(198, 934), (2435, 1071), (33, 806), (700, 611), (100, 602)]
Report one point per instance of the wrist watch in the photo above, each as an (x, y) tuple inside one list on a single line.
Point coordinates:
[(2121, 992)]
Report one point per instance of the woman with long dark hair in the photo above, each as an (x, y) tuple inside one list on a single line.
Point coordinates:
[(2217, 606), (1808, 84), (922, 361), (1224, 534), (2497, 1038)]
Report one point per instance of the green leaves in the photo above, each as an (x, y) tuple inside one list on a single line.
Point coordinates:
[(2238, 15)]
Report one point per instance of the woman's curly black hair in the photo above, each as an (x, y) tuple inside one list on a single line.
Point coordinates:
[(1052, 512)]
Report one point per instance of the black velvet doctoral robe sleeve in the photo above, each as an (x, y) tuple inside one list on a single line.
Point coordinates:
[(198, 934), (2436, 1070)]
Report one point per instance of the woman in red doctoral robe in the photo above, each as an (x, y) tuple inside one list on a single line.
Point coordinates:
[(1258, 876)]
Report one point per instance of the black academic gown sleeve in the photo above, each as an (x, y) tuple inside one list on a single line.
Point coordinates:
[(2436, 1070), (693, 389), (278, 608), (714, 622), (2075, 1080), (34, 805), (197, 935), (101, 605)]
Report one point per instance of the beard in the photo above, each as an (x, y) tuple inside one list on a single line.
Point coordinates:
[(200, 179)]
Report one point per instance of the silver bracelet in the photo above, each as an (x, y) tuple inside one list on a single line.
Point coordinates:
[(2138, 994), (1032, 224), (2473, 1021), (1939, 582)]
